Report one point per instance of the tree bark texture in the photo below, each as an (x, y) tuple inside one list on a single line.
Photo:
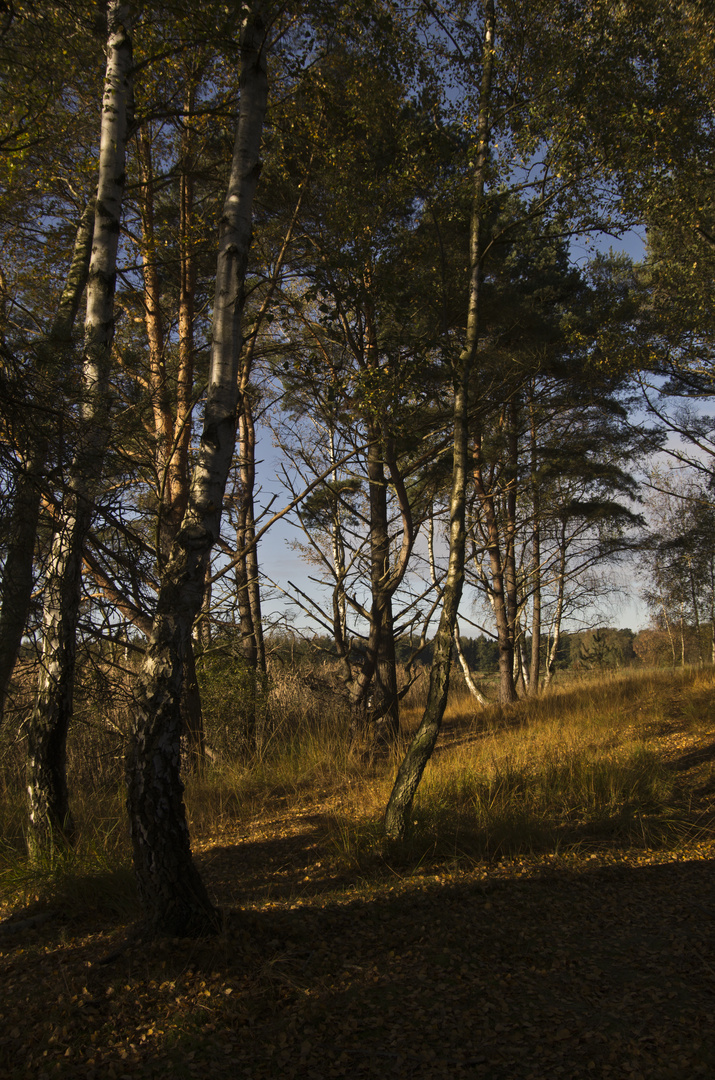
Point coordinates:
[(172, 893), (556, 631), (497, 587), (385, 706), (420, 750), (18, 576), (536, 561), (47, 786), (468, 678), (172, 428)]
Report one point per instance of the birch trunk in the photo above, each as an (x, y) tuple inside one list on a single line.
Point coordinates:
[(50, 817), (463, 663), (560, 596), (497, 588), (173, 895), (25, 516), (172, 431), (410, 772)]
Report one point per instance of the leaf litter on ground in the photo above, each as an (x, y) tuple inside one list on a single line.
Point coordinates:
[(590, 962)]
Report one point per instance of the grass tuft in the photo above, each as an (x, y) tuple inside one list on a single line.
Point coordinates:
[(622, 760)]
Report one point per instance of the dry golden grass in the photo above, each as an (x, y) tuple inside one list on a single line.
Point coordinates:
[(549, 908), (593, 762), (598, 761)]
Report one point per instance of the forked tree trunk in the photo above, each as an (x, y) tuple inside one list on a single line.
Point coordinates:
[(50, 817), (172, 893), (410, 772), (25, 515)]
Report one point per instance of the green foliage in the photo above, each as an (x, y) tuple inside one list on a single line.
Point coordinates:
[(234, 701)]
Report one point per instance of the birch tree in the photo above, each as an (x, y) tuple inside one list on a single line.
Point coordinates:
[(50, 816), (52, 353), (173, 895)]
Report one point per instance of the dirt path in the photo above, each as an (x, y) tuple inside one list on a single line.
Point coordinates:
[(598, 964), (575, 968)]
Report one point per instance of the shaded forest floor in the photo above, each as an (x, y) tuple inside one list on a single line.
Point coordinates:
[(595, 961)]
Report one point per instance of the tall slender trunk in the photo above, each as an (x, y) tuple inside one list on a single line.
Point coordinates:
[(497, 591), (385, 707), (163, 430), (510, 577), (410, 772), (247, 573), (670, 633), (247, 567), (25, 514), (696, 612), (560, 596), (172, 429), (47, 784), (682, 639), (173, 895), (522, 673), (340, 613), (535, 559), (178, 472)]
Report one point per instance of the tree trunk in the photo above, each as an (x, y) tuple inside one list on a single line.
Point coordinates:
[(385, 711), (696, 612), (505, 640), (173, 895), (670, 634), (510, 579), (191, 712), (47, 786), (561, 590), (246, 572), (682, 640), (25, 515), (399, 807), (172, 430), (535, 665), (163, 427), (471, 685)]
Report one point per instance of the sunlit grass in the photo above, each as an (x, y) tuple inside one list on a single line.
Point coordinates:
[(575, 769)]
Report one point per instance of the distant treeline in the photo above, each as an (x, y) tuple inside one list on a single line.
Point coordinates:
[(606, 648), (602, 648)]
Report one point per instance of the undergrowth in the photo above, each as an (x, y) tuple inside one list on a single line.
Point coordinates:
[(575, 769)]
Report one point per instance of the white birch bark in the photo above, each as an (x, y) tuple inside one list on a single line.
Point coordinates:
[(50, 817), (464, 664), (556, 631), (54, 352), (173, 895)]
